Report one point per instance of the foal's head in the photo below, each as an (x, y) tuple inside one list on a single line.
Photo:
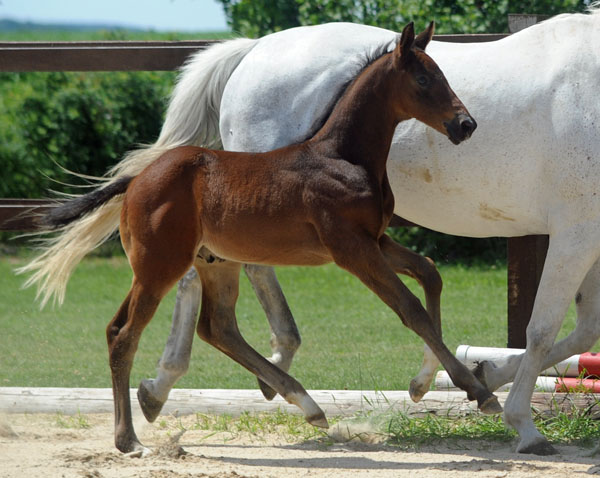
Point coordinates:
[(423, 90)]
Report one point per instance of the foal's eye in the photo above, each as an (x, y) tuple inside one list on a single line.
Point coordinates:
[(422, 80)]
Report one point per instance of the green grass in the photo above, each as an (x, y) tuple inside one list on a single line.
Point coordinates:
[(351, 340), (577, 427), (472, 431), (291, 426), (78, 421)]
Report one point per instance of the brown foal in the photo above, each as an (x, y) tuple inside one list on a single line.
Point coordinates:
[(327, 199)]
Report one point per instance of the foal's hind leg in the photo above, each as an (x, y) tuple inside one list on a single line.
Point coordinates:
[(218, 327), (175, 360), (422, 269), (123, 335), (361, 255), (285, 338)]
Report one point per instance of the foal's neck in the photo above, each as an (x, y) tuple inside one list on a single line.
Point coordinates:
[(361, 125)]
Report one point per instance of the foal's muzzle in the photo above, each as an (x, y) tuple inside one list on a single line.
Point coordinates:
[(460, 128)]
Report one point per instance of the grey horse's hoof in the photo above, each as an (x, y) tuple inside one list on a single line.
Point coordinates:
[(416, 390), (318, 420), (150, 406), (542, 448)]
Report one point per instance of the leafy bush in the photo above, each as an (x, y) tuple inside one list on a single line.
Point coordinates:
[(80, 122), (443, 248)]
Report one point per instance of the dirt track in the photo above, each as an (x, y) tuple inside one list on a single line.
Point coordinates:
[(39, 446)]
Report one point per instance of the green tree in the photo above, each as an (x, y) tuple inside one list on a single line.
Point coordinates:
[(256, 18)]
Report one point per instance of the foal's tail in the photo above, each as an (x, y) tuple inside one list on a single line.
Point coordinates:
[(192, 119), (63, 215)]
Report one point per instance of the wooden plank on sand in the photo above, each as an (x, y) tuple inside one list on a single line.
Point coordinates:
[(70, 401)]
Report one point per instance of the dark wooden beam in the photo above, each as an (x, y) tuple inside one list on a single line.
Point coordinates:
[(19, 214), (126, 55), (97, 56), (525, 257)]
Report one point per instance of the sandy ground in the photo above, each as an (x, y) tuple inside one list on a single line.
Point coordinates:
[(42, 446)]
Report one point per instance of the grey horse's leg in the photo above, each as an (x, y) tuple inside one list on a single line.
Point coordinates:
[(285, 338), (174, 363), (175, 360), (580, 340)]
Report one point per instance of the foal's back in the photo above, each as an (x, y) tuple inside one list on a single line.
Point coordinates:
[(247, 207)]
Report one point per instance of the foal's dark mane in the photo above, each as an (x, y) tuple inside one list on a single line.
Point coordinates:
[(362, 62)]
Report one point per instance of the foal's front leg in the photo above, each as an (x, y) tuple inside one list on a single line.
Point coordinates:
[(218, 326), (285, 338), (361, 255), (422, 269)]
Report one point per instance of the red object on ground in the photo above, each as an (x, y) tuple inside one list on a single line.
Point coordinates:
[(570, 384), (589, 364)]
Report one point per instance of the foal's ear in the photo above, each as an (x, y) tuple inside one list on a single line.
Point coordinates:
[(406, 42), (425, 36)]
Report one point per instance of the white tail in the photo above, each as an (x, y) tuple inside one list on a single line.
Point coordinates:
[(192, 119)]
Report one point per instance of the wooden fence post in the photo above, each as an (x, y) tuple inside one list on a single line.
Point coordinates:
[(525, 257)]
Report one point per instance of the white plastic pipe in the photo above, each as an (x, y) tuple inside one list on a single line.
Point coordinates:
[(542, 384), (571, 367)]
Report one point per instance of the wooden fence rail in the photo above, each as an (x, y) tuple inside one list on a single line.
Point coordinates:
[(525, 254)]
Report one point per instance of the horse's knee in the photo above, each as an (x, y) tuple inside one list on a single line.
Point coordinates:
[(539, 341), (290, 342), (431, 278)]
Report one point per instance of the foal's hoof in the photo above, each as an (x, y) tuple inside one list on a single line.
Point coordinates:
[(150, 406), (540, 447), (318, 420), (266, 390), (490, 406)]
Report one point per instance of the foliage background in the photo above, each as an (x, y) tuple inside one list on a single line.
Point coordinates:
[(255, 18), (84, 123)]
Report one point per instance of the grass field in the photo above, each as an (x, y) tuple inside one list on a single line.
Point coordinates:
[(351, 340), (105, 35)]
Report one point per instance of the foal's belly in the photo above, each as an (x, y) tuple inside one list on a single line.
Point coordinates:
[(267, 245)]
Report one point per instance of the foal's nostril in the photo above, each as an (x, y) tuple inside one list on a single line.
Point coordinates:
[(467, 126)]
